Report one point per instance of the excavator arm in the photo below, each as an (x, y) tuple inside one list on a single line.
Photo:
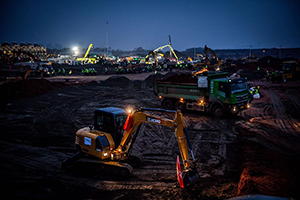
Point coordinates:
[(211, 51), (132, 126)]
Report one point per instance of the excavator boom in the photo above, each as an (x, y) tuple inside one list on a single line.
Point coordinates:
[(134, 121)]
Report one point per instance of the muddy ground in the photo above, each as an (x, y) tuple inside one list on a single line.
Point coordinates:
[(256, 152)]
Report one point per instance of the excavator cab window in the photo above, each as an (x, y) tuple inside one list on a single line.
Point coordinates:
[(120, 121), (111, 120), (104, 123)]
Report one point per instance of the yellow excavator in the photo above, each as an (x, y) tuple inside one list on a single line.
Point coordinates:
[(211, 65), (110, 143), (214, 62), (290, 70)]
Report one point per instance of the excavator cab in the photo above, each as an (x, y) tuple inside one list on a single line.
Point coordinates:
[(111, 120)]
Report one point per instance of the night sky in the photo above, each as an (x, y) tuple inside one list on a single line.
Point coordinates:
[(147, 24)]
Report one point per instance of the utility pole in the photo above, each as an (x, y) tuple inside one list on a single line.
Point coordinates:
[(170, 45), (194, 53), (250, 51), (106, 38), (279, 51)]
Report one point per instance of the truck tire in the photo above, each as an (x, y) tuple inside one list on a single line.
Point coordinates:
[(217, 111), (180, 106), (168, 104)]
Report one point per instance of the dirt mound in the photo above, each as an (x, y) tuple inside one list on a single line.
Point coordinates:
[(182, 78), (117, 81), (91, 84), (26, 88), (249, 66), (158, 76), (251, 74), (267, 172)]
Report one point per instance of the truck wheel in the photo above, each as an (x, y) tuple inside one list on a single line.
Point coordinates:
[(180, 106), (168, 104), (217, 111)]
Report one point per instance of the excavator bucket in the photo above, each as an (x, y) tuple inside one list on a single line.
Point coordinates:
[(179, 174), (190, 177)]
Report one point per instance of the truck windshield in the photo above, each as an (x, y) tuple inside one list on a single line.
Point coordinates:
[(238, 87)]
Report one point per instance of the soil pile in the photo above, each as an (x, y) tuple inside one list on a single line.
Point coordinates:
[(149, 80), (249, 66), (26, 88), (267, 172), (116, 81), (251, 74), (181, 78)]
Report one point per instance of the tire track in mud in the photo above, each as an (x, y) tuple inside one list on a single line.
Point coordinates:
[(282, 119), (68, 106), (130, 185), (296, 102), (279, 131), (212, 139), (140, 96), (33, 158)]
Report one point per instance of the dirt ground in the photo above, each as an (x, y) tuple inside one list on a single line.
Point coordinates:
[(256, 152)]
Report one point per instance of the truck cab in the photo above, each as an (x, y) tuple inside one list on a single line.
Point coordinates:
[(231, 94)]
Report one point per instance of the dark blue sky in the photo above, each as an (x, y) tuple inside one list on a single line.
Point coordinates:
[(143, 23)]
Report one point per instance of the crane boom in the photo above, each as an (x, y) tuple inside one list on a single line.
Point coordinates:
[(88, 51)]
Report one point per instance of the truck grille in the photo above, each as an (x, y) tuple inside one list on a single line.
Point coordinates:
[(241, 98)]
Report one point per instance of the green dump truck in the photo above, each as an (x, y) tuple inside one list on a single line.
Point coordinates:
[(207, 92)]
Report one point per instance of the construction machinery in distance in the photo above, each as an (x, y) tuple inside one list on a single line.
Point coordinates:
[(26, 69), (290, 70), (214, 62), (155, 52), (87, 59), (211, 64), (110, 143)]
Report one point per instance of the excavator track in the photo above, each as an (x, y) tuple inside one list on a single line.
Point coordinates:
[(93, 166)]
